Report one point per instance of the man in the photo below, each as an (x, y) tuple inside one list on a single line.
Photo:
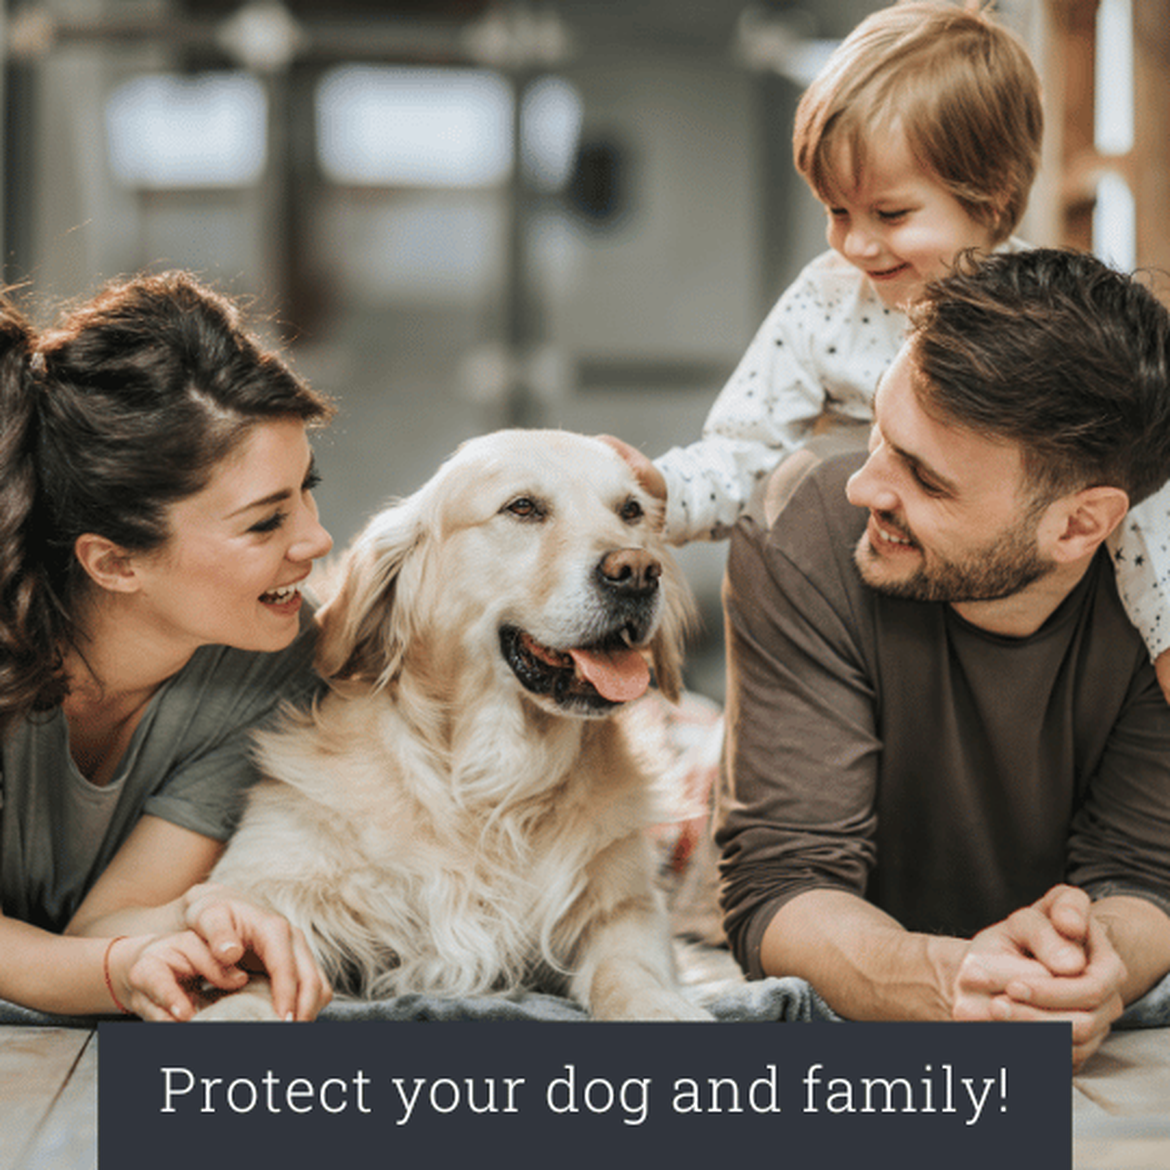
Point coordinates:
[(948, 754)]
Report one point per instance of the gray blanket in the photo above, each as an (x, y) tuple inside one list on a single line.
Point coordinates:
[(775, 1000), (761, 1001)]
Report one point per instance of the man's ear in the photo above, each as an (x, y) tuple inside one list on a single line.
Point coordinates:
[(108, 564), (1086, 518)]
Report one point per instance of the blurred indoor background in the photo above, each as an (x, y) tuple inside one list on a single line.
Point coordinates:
[(458, 215)]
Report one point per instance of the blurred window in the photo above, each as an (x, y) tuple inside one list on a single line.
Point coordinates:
[(551, 117), (1114, 212), (410, 126), (1115, 222), (166, 131), (420, 127), (1113, 102)]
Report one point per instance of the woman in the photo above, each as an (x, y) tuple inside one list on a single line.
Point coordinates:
[(156, 522)]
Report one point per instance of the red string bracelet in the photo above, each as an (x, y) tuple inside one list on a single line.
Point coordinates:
[(109, 982)]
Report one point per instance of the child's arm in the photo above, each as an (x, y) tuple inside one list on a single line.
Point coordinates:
[(766, 409), (822, 347), (1141, 555)]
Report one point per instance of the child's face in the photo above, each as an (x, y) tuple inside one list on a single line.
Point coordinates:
[(899, 225)]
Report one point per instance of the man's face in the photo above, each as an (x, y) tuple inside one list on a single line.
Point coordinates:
[(950, 517)]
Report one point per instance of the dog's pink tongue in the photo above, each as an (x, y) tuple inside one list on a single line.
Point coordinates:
[(618, 675)]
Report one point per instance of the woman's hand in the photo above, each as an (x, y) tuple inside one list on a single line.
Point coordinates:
[(159, 977), (238, 933)]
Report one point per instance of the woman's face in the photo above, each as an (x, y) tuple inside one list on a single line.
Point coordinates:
[(231, 571)]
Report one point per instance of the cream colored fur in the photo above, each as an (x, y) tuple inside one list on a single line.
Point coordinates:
[(432, 825)]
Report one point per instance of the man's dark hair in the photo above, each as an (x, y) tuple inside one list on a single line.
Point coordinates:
[(1055, 351)]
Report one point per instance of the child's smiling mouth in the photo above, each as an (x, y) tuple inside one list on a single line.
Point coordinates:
[(888, 273)]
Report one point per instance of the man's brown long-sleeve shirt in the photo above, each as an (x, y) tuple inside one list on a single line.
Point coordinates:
[(890, 748)]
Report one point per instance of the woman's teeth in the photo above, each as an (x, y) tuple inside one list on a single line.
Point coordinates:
[(280, 596)]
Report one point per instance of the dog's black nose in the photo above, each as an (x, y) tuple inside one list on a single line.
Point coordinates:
[(630, 571)]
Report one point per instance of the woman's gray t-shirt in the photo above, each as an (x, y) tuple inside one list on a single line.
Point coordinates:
[(188, 762)]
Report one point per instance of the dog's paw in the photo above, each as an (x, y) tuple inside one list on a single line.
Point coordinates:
[(665, 1006), (679, 1008), (252, 1004)]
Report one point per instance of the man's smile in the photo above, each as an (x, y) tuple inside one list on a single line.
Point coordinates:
[(888, 533)]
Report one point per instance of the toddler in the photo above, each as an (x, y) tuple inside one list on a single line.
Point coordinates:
[(921, 136)]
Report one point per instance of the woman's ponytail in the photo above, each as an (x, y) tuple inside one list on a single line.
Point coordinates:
[(30, 620)]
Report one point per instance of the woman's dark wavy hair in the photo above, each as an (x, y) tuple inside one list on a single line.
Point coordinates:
[(109, 418), (1054, 350)]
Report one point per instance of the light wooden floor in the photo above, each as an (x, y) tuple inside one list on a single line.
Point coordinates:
[(48, 1098), (1121, 1104), (48, 1102)]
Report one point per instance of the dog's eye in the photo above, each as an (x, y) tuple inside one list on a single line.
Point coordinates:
[(631, 511), (525, 507)]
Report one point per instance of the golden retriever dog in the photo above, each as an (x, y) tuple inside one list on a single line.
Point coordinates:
[(461, 813)]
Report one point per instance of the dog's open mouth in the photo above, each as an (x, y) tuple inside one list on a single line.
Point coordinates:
[(601, 675)]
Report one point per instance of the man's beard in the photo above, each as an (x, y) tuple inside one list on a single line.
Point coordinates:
[(1001, 568)]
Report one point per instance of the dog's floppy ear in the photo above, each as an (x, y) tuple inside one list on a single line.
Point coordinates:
[(666, 647), (364, 634)]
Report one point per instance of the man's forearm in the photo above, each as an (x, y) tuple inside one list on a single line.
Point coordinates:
[(1140, 933), (860, 960)]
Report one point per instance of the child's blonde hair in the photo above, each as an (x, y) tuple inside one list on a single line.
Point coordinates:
[(961, 87)]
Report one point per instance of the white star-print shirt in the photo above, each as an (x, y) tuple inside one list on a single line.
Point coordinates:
[(821, 350)]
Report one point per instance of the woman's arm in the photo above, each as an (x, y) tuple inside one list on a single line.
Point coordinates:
[(141, 888), (50, 973), (154, 891), (72, 975), (148, 975)]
